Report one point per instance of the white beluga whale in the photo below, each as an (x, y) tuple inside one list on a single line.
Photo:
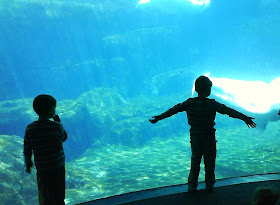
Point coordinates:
[(259, 99), (253, 96)]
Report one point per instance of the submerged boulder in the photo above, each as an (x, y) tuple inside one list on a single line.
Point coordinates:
[(16, 186), (15, 115), (99, 115)]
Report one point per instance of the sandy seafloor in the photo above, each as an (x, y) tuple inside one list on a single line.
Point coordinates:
[(110, 170), (105, 170)]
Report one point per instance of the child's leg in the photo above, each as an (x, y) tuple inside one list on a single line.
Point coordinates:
[(52, 185), (209, 162), (40, 189), (45, 186), (59, 186), (195, 166)]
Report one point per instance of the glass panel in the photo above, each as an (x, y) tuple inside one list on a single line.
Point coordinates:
[(112, 65)]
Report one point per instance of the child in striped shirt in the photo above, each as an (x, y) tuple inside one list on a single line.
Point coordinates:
[(44, 139), (201, 112)]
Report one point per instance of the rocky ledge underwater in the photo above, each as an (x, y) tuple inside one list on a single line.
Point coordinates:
[(113, 149)]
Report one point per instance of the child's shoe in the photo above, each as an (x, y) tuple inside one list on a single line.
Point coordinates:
[(191, 189), (209, 188)]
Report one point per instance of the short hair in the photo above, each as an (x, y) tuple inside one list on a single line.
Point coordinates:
[(42, 104), (265, 196), (202, 83)]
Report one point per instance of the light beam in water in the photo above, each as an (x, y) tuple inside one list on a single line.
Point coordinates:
[(143, 2), (199, 2), (194, 2)]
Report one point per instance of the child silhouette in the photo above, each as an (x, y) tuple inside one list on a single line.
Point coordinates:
[(201, 112), (44, 139)]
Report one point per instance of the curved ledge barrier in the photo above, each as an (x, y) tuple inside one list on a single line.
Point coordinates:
[(235, 190)]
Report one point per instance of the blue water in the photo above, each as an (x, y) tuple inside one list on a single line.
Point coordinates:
[(112, 65)]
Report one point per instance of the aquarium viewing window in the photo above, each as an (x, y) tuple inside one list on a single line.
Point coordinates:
[(112, 65)]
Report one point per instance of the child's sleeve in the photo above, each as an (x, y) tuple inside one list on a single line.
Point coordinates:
[(27, 150), (180, 107), (223, 109), (64, 134)]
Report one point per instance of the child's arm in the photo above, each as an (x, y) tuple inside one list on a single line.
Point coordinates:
[(221, 108), (27, 154), (172, 111), (64, 133)]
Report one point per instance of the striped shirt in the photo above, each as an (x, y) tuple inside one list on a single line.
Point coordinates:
[(201, 113), (44, 139)]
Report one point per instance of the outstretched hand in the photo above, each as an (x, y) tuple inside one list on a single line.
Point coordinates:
[(154, 120), (250, 122)]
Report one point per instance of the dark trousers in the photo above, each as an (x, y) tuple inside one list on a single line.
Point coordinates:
[(206, 149), (51, 186)]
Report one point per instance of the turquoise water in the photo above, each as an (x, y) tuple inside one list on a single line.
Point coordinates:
[(112, 65)]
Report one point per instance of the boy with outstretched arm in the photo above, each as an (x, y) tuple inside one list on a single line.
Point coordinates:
[(201, 112)]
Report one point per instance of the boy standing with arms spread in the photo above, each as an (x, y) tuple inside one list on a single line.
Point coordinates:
[(44, 138), (201, 113)]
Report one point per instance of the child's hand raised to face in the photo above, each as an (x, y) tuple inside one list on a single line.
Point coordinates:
[(56, 118)]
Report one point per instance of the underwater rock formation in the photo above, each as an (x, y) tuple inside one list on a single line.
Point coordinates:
[(113, 149), (15, 115), (116, 120), (16, 186), (101, 114)]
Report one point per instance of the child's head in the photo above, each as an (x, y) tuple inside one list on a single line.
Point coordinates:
[(44, 105), (203, 86), (265, 196)]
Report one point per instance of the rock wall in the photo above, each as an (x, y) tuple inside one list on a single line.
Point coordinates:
[(99, 115)]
